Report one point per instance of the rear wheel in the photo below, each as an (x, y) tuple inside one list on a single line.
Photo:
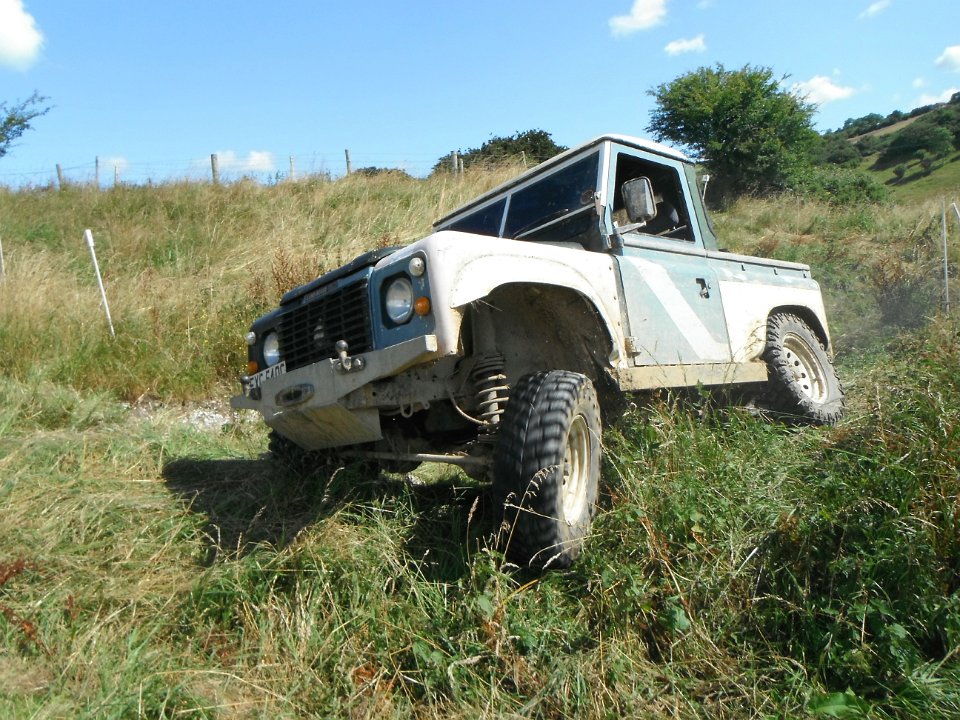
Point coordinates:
[(803, 383), (547, 467)]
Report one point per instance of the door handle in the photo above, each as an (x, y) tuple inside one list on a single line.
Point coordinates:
[(704, 287)]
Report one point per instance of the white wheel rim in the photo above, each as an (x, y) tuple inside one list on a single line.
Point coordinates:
[(576, 470), (805, 368)]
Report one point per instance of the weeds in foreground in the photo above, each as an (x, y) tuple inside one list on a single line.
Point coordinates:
[(737, 568)]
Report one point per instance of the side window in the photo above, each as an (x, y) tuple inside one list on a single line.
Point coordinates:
[(485, 221), (673, 216)]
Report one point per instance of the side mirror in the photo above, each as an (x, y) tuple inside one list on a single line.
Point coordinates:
[(638, 199)]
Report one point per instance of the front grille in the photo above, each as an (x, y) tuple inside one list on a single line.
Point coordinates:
[(310, 332)]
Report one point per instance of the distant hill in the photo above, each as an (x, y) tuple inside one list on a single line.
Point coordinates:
[(915, 154), (886, 130)]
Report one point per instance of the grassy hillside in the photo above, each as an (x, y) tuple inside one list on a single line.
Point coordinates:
[(151, 566), (917, 185), (941, 180)]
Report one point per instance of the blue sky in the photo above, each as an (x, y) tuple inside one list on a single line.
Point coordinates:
[(153, 88)]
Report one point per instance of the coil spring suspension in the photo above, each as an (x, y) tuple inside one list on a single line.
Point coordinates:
[(492, 390)]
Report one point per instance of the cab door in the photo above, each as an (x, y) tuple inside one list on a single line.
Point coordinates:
[(673, 304), (670, 289)]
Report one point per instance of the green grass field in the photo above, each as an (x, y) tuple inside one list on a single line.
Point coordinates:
[(153, 565)]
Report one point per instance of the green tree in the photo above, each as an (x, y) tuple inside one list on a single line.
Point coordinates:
[(751, 133), (870, 144), (861, 125), (534, 145), (16, 119), (836, 149), (918, 137)]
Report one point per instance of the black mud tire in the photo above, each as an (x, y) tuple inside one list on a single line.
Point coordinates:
[(293, 457), (803, 385), (547, 468)]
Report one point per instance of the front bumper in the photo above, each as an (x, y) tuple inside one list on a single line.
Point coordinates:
[(304, 405)]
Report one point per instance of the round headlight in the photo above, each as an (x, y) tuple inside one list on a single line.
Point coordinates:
[(399, 300), (271, 349)]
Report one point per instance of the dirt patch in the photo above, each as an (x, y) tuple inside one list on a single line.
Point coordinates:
[(209, 415)]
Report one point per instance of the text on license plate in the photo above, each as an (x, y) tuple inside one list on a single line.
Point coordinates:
[(274, 371)]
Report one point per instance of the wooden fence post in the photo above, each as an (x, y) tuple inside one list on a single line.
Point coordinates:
[(293, 169), (60, 181), (215, 168), (349, 166)]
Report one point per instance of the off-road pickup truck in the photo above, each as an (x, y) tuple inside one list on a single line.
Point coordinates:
[(500, 341)]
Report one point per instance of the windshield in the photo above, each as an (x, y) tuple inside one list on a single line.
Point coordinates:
[(554, 196), (483, 222)]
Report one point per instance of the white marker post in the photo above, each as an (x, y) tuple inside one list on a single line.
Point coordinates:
[(96, 266), (946, 267)]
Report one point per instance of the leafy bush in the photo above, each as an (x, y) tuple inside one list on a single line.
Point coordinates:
[(373, 171), (916, 138), (870, 144), (534, 146), (836, 150), (838, 186)]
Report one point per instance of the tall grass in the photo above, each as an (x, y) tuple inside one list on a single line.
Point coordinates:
[(880, 266), (737, 567), (186, 268)]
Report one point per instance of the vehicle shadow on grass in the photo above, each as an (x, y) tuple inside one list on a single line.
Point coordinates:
[(249, 504)]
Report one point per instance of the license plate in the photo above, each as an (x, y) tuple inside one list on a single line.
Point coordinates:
[(271, 372)]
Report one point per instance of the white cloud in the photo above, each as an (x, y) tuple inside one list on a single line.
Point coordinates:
[(950, 59), (643, 15), (255, 161), (875, 9), (678, 47), (920, 82), (820, 89), (20, 40), (943, 97)]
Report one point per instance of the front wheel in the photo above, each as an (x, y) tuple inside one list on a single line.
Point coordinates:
[(290, 455), (803, 383), (547, 467)]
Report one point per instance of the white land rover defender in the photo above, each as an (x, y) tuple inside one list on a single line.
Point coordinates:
[(499, 342)]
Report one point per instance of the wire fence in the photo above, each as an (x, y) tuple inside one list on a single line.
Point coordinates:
[(262, 167)]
